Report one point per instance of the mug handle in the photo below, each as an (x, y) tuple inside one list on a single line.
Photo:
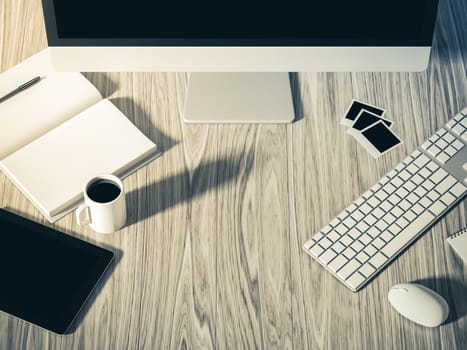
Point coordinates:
[(79, 211)]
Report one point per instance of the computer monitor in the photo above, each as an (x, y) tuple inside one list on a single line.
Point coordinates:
[(213, 39)]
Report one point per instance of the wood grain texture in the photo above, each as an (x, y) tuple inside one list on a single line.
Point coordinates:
[(211, 257)]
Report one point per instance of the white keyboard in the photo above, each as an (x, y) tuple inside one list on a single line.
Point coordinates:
[(379, 225)]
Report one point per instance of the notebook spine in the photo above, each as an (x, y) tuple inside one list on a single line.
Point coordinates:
[(457, 234)]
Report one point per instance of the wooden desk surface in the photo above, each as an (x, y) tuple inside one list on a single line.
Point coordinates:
[(212, 257)]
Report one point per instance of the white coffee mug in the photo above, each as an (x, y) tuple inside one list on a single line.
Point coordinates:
[(104, 207)]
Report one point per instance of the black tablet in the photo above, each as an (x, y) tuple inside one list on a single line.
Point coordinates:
[(46, 275)]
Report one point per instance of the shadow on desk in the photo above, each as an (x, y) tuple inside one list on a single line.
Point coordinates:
[(296, 96), (103, 83), (451, 289), (157, 196), (144, 123)]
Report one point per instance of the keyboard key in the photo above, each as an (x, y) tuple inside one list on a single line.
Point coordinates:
[(425, 202), (433, 195), (325, 243), (406, 235), (457, 190), (349, 222), (392, 173), (386, 206), (355, 280), (417, 209), (349, 253), (449, 138), (389, 188), (448, 198), (378, 213), (413, 198), (370, 219), (422, 160), (348, 269), (433, 150), (428, 185), (432, 166), (402, 192), (434, 138), (379, 243), (441, 144), (410, 216), (327, 256), (346, 240), (365, 208), (343, 215), (354, 233), (362, 226), (405, 175), (396, 211), (367, 269), (374, 201), (389, 218), (412, 168), (317, 237), (394, 199), (316, 250), (424, 172), (351, 208), (341, 229), (446, 184), (333, 236), (397, 181), (381, 225), (386, 236), (373, 232), (402, 222), (451, 151), (338, 247), (409, 186), (365, 239), (357, 215), (394, 229), (378, 260), (405, 205), (362, 257), (420, 191), (308, 244), (443, 157), (457, 145), (326, 229), (357, 246), (438, 207), (337, 263), (370, 250), (458, 129), (417, 179), (381, 195)]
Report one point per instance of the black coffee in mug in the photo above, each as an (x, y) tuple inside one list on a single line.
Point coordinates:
[(103, 191)]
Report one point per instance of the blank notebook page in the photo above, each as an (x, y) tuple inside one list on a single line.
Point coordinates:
[(53, 169)]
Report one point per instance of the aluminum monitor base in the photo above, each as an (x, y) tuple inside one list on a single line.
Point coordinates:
[(239, 98)]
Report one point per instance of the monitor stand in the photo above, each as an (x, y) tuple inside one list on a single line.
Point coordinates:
[(239, 98)]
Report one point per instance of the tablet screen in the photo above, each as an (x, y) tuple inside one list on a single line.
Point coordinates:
[(46, 275)]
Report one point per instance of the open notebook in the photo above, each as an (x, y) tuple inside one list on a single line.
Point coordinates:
[(60, 133)]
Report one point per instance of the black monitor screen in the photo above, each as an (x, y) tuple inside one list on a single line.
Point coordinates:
[(244, 22)]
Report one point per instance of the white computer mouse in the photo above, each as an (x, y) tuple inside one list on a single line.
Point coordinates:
[(419, 304)]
